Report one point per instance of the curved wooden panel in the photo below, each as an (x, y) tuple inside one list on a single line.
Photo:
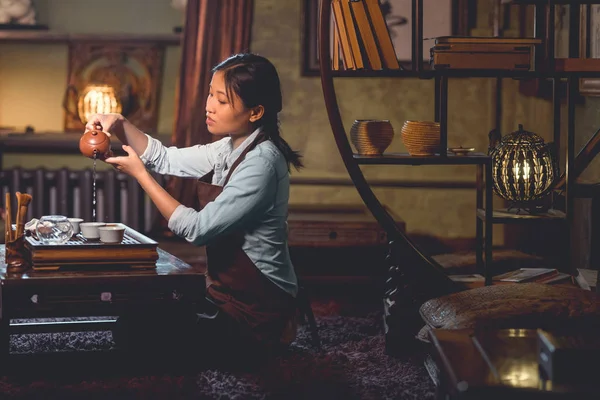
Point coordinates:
[(427, 265)]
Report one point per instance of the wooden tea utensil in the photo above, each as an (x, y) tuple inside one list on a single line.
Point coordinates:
[(8, 220), (23, 200)]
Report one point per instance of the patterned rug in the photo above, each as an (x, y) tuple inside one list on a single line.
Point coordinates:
[(352, 366)]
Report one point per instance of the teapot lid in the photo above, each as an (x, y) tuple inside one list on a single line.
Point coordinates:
[(94, 137)]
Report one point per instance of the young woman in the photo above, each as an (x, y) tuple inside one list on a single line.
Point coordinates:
[(243, 191)]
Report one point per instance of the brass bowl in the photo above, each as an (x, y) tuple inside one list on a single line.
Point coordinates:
[(461, 151)]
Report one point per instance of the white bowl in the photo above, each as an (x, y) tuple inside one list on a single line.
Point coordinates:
[(111, 234), (75, 223), (90, 231)]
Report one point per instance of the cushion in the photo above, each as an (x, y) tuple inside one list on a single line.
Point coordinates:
[(524, 305)]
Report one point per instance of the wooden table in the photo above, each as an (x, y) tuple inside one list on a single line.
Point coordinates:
[(500, 364), (94, 292)]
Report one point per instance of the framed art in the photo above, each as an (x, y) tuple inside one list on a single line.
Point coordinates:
[(589, 45), (440, 18), (128, 73)]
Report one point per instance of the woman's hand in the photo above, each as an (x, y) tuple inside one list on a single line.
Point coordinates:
[(131, 164), (107, 123)]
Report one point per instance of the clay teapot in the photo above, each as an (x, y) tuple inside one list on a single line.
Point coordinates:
[(95, 142)]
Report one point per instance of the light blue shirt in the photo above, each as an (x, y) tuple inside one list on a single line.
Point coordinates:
[(254, 201)]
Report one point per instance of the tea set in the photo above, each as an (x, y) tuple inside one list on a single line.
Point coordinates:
[(58, 229)]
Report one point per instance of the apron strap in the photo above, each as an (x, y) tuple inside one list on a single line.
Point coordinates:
[(261, 137)]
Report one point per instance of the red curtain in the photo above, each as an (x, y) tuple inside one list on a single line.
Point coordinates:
[(214, 30)]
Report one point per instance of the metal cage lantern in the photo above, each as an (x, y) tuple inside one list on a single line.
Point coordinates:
[(523, 167)]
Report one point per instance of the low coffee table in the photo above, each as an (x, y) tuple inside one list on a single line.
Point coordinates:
[(100, 291), (497, 364)]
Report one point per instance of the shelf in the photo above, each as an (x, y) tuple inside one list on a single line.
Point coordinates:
[(52, 142), (430, 74), (564, 67), (577, 65), (50, 37), (407, 159), (544, 2), (512, 216)]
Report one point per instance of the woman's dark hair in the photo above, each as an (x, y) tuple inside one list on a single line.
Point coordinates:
[(255, 81)]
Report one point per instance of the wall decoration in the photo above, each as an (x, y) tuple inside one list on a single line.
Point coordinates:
[(114, 77), (440, 18), (16, 12)]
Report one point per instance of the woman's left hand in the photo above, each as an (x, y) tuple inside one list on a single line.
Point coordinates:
[(131, 164)]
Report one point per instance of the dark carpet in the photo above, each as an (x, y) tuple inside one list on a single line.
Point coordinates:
[(352, 366)]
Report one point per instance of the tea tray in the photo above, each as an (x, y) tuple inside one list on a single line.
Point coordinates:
[(135, 251)]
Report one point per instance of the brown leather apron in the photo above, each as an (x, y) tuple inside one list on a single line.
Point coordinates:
[(238, 288)]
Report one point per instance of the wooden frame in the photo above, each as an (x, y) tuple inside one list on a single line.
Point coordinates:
[(589, 45), (133, 68), (461, 21)]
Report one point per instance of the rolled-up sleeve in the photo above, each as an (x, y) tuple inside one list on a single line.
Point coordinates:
[(249, 193), (194, 161)]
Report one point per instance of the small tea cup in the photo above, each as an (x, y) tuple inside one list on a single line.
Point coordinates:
[(75, 223), (111, 233), (90, 231)]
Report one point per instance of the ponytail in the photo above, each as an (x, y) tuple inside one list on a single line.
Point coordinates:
[(270, 127)]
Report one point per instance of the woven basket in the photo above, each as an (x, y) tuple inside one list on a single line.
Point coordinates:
[(370, 136), (421, 138)]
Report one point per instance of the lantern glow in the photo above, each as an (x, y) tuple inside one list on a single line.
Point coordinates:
[(97, 99)]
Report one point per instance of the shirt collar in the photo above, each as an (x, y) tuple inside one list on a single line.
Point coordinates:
[(234, 154)]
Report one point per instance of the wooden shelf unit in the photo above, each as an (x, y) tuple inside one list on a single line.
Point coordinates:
[(407, 159), (414, 276), (514, 216), (563, 68)]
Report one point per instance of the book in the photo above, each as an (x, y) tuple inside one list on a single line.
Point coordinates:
[(586, 278), (340, 25), (382, 35), (467, 278), (352, 35), (470, 281), (366, 34), (336, 63), (525, 275), (560, 277)]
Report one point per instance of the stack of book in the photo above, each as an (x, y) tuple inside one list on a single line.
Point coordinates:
[(522, 275), (586, 278), (360, 38)]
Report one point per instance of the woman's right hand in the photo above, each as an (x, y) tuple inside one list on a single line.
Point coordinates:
[(107, 123)]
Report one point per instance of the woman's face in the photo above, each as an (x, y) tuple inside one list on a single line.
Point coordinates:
[(225, 116)]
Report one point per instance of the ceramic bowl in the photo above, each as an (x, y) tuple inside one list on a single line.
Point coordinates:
[(75, 223), (371, 137), (111, 233), (90, 231)]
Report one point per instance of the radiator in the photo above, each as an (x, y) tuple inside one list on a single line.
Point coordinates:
[(119, 197)]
